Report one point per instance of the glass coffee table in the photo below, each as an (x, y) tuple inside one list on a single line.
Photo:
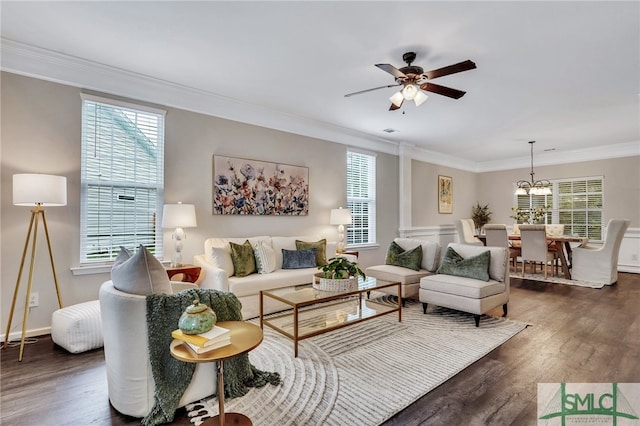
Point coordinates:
[(317, 312)]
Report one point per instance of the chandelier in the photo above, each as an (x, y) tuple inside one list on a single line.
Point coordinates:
[(533, 187)]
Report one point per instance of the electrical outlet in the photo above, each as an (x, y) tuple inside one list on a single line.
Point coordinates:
[(33, 300)]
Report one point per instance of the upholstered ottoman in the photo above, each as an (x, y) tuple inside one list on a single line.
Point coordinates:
[(78, 328)]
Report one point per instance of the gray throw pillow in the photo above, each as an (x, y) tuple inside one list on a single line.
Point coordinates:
[(297, 259), (397, 256), (476, 267), (140, 273)]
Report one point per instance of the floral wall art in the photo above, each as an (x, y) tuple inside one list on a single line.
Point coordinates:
[(251, 187)]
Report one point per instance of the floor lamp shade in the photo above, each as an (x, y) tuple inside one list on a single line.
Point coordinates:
[(178, 216), (30, 189)]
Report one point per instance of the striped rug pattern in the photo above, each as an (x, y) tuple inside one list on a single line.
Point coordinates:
[(556, 280), (365, 373)]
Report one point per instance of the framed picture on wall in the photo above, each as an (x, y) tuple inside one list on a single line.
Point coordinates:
[(445, 194), (251, 187)]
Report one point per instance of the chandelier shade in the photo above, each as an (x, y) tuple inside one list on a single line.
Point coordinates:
[(533, 187)]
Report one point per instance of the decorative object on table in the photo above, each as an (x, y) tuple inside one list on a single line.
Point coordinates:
[(338, 275), (481, 215), (340, 217), (250, 187), (37, 190), (533, 187), (198, 318), (178, 216), (445, 194), (529, 216)]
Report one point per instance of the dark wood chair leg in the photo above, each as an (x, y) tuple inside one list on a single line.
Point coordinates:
[(504, 310), (368, 295), (477, 319), (404, 303), (424, 308)]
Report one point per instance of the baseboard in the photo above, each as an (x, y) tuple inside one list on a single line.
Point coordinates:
[(17, 335)]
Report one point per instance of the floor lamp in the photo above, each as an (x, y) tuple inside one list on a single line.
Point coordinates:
[(35, 190)]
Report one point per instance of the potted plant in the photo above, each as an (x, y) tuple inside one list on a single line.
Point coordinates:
[(481, 216), (338, 274)]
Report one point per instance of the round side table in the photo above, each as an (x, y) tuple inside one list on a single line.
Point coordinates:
[(244, 337)]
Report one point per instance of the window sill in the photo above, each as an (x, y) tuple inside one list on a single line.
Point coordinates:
[(358, 247)]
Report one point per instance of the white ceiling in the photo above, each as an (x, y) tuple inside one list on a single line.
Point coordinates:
[(566, 74)]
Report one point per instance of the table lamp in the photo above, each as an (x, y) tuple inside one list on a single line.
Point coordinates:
[(37, 190), (178, 216), (340, 217)]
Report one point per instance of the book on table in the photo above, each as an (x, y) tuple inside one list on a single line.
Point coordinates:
[(211, 338), (201, 350)]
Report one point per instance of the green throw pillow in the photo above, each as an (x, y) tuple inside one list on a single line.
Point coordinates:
[(244, 261), (321, 250), (397, 256), (476, 267)]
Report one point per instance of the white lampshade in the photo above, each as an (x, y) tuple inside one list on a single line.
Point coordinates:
[(340, 217), (397, 99), (30, 189), (420, 98), (409, 92), (179, 216)]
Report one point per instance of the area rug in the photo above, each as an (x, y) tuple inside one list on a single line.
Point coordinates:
[(365, 373), (556, 280)]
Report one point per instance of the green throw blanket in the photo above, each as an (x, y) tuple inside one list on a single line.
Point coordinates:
[(172, 376)]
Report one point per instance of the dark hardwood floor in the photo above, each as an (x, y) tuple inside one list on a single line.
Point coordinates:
[(577, 335)]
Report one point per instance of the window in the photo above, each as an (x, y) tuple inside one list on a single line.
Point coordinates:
[(577, 203), (122, 178), (361, 198)]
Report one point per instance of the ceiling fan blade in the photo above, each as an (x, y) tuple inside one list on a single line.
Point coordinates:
[(394, 107), (370, 90), (442, 90), (451, 69), (391, 70)]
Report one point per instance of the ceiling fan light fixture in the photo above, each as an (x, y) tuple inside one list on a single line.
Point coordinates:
[(409, 92), (420, 98), (397, 99)]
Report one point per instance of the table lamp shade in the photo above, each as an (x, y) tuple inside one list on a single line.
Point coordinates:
[(179, 216), (30, 189), (340, 217)]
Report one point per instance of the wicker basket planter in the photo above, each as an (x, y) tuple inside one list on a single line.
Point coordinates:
[(331, 284)]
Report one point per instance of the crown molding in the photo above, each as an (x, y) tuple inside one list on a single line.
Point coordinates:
[(52, 66)]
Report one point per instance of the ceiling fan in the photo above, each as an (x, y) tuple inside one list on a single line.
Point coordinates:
[(413, 78)]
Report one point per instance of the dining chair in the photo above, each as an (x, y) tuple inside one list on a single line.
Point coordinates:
[(466, 232), (600, 264), (496, 236), (534, 247)]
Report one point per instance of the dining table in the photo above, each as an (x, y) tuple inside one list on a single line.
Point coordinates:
[(562, 244)]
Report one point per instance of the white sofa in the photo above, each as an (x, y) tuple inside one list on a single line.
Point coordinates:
[(129, 377), (409, 278), (217, 268), (469, 294)]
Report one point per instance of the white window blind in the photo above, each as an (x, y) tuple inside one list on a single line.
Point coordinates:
[(122, 178), (361, 198), (577, 203)]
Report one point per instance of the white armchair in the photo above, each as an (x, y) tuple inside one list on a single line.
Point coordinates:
[(600, 264), (129, 378)]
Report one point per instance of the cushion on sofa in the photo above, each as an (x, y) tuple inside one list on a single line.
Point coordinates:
[(217, 251), (462, 286), (396, 273), (140, 273), (321, 249), (298, 259), (398, 256), (244, 261), (430, 251), (288, 243), (265, 258), (499, 258), (476, 267)]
